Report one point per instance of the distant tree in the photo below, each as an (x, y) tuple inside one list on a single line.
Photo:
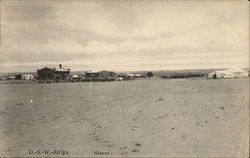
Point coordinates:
[(150, 74)]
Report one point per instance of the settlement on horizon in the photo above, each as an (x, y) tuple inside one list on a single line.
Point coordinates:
[(127, 78)]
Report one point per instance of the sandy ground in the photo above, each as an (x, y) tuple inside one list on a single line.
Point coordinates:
[(151, 117)]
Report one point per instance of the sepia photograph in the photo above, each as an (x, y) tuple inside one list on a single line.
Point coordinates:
[(124, 78)]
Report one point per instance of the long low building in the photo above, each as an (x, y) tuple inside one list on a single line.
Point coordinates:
[(92, 75), (229, 73), (24, 77), (101, 75)]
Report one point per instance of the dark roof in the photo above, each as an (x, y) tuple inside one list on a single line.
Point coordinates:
[(46, 68), (56, 69)]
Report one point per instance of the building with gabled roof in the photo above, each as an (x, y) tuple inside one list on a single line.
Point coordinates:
[(53, 73)]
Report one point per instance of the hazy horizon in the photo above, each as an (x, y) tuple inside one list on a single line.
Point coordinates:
[(129, 70), (124, 35)]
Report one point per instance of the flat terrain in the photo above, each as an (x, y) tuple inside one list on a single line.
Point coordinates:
[(150, 117)]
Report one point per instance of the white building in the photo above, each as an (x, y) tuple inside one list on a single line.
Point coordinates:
[(137, 75), (27, 77), (75, 76), (229, 73), (11, 78)]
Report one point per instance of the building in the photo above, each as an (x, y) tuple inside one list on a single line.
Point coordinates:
[(137, 75), (106, 74), (100, 76), (53, 73), (92, 75), (18, 77), (46, 74), (24, 77), (229, 73), (76, 76), (126, 76), (3, 78), (62, 73), (238, 73), (11, 78), (28, 77)]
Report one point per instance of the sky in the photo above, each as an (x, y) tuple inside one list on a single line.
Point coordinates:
[(123, 35)]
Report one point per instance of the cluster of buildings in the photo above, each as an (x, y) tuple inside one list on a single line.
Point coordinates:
[(19, 77), (229, 73), (62, 74)]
